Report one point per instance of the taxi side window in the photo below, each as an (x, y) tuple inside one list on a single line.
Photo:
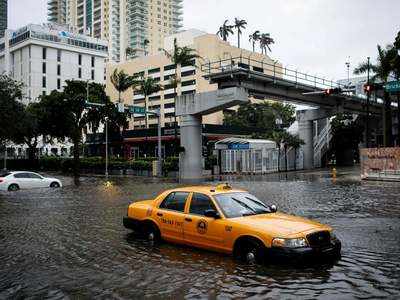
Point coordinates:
[(175, 201), (200, 203)]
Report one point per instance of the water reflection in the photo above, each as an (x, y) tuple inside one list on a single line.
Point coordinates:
[(70, 243)]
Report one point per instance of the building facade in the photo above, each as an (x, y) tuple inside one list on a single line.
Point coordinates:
[(43, 57), (209, 47), (3, 17), (131, 27)]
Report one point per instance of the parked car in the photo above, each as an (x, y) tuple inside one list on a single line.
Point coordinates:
[(231, 221), (13, 181)]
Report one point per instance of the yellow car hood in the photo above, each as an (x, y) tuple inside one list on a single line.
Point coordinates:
[(280, 225)]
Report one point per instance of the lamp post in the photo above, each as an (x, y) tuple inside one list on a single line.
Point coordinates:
[(106, 130), (158, 113), (368, 98)]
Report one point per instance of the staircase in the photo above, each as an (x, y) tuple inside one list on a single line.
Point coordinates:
[(321, 144)]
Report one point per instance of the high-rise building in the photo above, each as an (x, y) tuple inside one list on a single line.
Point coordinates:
[(132, 27), (3, 17), (57, 11)]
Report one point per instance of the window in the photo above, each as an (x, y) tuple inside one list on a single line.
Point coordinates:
[(169, 67), (169, 96), (80, 73), (80, 59), (59, 55), (44, 53), (44, 68), (92, 61), (58, 83), (200, 203), (189, 82), (58, 70), (21, 175), (156, 70), (43, 81), (92, 75), (175, 201), (188, 73), (34, 176)]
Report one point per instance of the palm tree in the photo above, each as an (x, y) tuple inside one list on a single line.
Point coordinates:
[(146, 43), (279, 138), (265, 42), (239, 25), (382, 71), (121, 82), (129, 52), (225, 30), (293, 141), (253, 38), (146, 87), (180, 56)]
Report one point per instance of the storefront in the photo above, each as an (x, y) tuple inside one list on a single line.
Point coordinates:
[(247, 156)]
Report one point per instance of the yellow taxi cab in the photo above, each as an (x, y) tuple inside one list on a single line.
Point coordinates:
[(232, 221)]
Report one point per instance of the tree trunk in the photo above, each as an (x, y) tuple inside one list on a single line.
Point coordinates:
[(238, 40), (398, 119), (175, 122), (295, 159), (76, 141), (387, 132), (254, 47), (286, 164), (279, 159), (31, 153), (146, 122)]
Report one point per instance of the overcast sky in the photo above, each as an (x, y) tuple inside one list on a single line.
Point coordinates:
[(315, 36)]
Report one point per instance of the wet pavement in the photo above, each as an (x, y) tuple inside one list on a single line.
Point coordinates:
[(70, 243)]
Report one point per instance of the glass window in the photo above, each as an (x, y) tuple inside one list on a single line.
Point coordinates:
[(59, 55), (200, 203), (79, 73), (80, 59), (92, 61), (35, 176), (58, 83), (22, 175), (44, 82), (44, 53), (175, 201), (92, 75), (44, 68), (58, 70), (240, 204)]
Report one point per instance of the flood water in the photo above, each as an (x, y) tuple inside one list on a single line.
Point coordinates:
[(70, 243)]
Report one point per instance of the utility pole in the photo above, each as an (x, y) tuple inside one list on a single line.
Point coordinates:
[(106, 125), (368, 98), (348, 72), (159, 144)]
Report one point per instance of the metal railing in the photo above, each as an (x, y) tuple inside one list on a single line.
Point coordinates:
[(274, 70)]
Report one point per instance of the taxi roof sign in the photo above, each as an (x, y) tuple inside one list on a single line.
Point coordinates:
[(223, 187)]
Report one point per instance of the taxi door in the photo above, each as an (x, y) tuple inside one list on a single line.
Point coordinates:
[(170, 215), (203, 231)]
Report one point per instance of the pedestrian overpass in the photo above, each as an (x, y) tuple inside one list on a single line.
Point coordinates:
[(239, 78)]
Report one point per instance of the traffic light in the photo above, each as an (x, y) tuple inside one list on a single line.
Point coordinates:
[(368, 88), (329, 92)]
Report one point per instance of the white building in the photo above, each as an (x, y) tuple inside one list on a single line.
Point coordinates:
[(137, 25), (43, 57)]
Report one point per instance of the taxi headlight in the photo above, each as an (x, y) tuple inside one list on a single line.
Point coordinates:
[(289, 243)]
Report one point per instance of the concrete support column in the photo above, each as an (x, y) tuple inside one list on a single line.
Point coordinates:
[(190, 161), (306, 134)]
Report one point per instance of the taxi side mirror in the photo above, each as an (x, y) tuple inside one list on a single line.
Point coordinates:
[(211, 213)]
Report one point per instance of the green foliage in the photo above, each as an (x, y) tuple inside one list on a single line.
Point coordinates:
[(148, 85), (346, 133), (225, 30), (122, 81), (11, 109), (263, 116), (239, 25)]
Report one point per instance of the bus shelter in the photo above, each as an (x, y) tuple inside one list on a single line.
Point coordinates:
[(247, 156)]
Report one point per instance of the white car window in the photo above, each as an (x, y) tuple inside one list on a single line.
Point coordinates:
[(22, 175), (35, 176)]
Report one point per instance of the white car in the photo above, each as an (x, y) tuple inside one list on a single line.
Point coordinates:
[(13, 181)]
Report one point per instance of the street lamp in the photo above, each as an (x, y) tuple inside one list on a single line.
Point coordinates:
[(348, 71), (106, 130)]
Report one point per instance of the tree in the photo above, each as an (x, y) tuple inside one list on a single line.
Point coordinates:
[(239, 25), (346, 136), (254, 38), (147, 86), (70, 115), (262, 116), (180, 56), (293, 141), (121, 82), (265, 42), (225, 30), (396, 72), (30, 128), (279, 137), (381, 71)]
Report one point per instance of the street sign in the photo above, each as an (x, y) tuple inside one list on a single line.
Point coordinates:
[(137, 110), (393, 86)]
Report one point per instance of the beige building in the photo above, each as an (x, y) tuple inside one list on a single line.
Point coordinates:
[(209, 47), (125, 24)]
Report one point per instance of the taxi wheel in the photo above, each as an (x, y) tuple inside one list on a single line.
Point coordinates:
[(152, 233), (251, 251)]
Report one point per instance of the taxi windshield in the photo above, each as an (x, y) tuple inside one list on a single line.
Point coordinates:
[(235, 205)]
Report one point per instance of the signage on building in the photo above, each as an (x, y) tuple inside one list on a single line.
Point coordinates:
[(137, 110), (239, 146), (393, 86)]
